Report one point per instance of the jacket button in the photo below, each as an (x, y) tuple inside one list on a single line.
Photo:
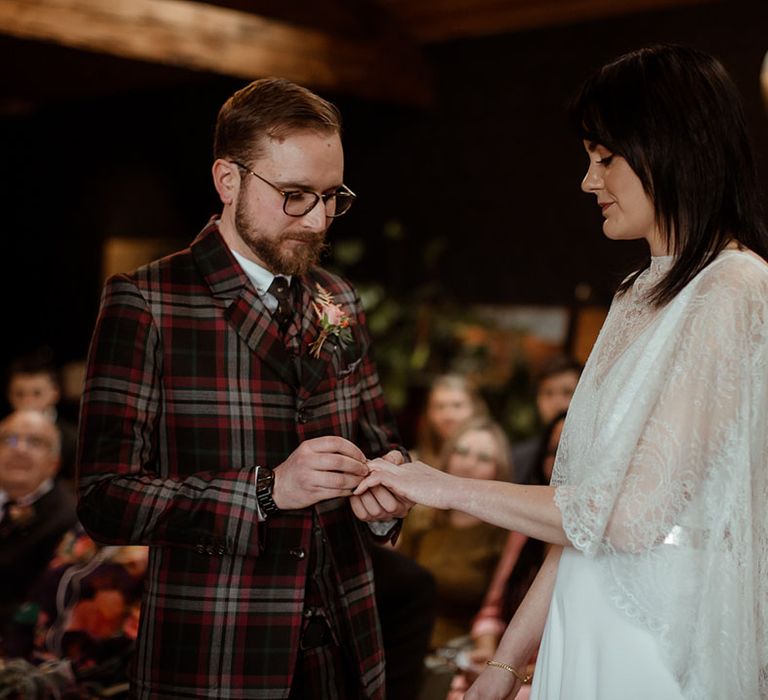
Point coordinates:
[(209, 550), (299, 553), (302, 415), (200, 549)]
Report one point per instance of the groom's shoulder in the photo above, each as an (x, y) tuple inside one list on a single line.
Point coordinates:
[(340, 288)]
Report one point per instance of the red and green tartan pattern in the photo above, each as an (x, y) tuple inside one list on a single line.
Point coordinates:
[(189, 387)]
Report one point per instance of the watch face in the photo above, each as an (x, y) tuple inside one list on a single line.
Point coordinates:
[(265, 478)]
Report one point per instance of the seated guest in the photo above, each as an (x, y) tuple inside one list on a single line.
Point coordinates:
[(460, 551), (33, 385), (405, 599), (452, 400), (35, 512), (518, 566), (555, 385), (519, 563), (77, 628), (405, 591)]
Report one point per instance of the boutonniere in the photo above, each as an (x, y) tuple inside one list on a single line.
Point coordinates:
[(333, 321)]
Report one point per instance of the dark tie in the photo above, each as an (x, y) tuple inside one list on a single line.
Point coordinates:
[(281, 290), (5, 517)]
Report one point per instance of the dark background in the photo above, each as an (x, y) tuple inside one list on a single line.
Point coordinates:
[(95, 146)]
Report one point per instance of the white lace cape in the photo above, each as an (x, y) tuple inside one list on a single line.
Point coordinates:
[(661, 471)]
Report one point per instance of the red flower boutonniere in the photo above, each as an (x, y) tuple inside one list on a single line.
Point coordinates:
[(333, 321)]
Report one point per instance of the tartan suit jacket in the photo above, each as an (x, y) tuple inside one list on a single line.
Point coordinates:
[(189, 387)]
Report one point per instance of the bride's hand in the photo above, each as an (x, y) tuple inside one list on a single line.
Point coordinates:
[(416, 482)]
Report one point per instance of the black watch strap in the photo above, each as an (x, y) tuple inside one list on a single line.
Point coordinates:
[(265, 481)]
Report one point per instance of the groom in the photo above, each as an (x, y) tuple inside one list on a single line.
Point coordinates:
[(230, 406)]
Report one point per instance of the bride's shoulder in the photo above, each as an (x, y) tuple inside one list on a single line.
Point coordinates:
[(737, 270)]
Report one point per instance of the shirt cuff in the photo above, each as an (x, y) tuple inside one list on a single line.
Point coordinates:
[(381, 528), (260, 514)]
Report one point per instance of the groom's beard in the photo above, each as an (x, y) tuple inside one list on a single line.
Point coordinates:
[(281, 255)]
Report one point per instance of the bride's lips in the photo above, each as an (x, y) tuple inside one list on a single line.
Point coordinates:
[(604, 206)]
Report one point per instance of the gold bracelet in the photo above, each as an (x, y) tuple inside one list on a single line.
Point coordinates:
[(524, 679)]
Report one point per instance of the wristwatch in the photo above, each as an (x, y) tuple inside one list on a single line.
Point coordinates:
[(265, 481)]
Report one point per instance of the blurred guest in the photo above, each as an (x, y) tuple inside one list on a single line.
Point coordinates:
[(405, 600), (33, 384), (461, 551), (80, 619), (405, 590), (517, 568), (555, 385), (35, 511), (519, 563), (452, 399)]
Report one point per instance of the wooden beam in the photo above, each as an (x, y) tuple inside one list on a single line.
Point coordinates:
[(204, 37), (442, 20)]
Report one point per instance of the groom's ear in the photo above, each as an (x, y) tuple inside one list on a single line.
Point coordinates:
[(226, 180)]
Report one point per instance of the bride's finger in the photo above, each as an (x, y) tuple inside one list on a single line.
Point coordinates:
[(382, 465), (373, 479)]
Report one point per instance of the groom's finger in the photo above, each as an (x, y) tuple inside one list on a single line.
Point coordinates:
[(372, 506), (373, 479), (334, 444), (358, 509), (339, 463), (385, 499)]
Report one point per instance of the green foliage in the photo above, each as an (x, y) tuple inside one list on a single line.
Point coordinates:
[(419, 330)]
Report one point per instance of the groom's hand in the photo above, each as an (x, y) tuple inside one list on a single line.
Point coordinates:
[(318, 469), (379, 503)]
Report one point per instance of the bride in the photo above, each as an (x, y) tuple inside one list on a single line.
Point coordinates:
[(658, 587)]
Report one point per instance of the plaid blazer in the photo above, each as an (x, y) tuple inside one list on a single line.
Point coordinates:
[(189, 387)]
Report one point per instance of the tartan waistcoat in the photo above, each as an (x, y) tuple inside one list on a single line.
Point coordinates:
[(189, 387)]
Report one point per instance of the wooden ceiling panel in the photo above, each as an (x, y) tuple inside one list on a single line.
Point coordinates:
[(222, 40), (369, 48), (430, 21)]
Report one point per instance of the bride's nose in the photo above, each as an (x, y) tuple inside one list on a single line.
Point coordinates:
[(593, 180)]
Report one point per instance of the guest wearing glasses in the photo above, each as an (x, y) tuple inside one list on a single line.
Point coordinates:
[(230, 405), (35, 510), (34, 384)]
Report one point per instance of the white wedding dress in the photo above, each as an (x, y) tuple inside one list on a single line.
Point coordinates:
[(662, 481), (591, 650)]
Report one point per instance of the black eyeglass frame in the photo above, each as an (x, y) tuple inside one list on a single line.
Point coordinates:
[(342, 190)]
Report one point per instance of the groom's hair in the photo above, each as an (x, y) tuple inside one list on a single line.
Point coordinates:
[(269, 108)]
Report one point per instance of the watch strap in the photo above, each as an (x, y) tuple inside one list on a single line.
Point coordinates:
[(265, 481)]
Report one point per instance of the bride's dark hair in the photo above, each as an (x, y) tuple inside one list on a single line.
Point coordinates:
[(676, 117)]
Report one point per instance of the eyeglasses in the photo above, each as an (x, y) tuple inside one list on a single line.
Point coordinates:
[(33, 442), (299, 203)]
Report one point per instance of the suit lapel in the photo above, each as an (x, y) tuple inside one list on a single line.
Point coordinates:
[(245, 311), (312, 369)]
